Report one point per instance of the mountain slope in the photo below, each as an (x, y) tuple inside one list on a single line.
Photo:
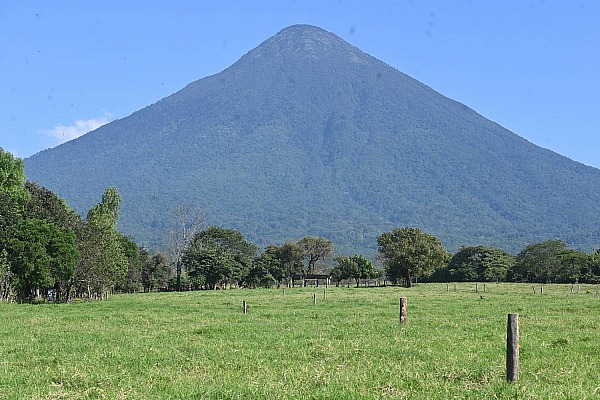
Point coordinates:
[(306, 134)]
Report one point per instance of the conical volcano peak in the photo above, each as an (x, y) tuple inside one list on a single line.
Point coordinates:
[(308, 35), (306, 41)]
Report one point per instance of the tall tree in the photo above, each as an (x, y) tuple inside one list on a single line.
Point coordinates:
[(344, 270), (103, 262), (480, 263), (409, 252), (156, 271), (12, 174), (221, 255), (354, 267), (539, 262), (5, 276), (187, 220), (133, 279), (46, 205), (290, 255), (13, 196), (573, 265), (42, 256), (211, 267), (592, 273), (315, 249), (266, 269)]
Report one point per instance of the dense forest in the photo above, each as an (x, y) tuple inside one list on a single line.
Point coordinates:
[(48, 252)]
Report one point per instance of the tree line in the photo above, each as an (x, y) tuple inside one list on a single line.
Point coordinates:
[(408, 253), (48, 252)]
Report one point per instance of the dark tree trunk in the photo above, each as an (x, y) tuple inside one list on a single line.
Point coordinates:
[(178, 276), (408, 280)]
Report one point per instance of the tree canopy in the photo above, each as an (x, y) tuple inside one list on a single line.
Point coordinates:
[(354, 267), (315, 249), (549, 261), (409, 252), (42, 256), (480, 263), (217, 256)]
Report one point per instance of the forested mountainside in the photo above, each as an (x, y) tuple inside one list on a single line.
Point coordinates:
[(308, 135)]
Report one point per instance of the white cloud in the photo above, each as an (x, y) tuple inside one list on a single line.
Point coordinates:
[(80, 127)]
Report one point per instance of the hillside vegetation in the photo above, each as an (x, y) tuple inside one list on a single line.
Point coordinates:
[(307, 135)]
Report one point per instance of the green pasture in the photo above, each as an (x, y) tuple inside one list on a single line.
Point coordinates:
[(196, 345)]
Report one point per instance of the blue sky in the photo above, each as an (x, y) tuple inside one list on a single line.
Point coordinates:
[(532, 66)]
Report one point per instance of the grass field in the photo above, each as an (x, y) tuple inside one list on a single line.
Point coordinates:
[(348, 346)]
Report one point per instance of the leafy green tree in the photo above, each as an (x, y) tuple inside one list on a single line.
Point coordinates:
[(480, 263), (539, 262), (592, 273), (212, 266), (267, 269), (345, 269), (259, 275), (573, 265), (46, 205), (42, 256), (409, 252), (5, 276), (315, 249), (281, 262), (366, 269), (354, 267), (12, 174), (290, 255), (156, 271), (133, 279), (337, 274), (274, 263), (13, 196), (103, 262), (220, 255)]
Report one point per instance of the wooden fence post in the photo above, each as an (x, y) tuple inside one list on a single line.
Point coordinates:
[(476, 288), (512, 348), (403, 307), (325, 294), (484, 288), (533, 288), (314, 299), (447, 287), (541, 290), (245, 307)]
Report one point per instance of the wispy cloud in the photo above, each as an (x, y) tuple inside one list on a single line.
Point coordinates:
[(82, 126)]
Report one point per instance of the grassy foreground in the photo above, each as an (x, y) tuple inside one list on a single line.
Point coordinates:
[(348, 346)]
